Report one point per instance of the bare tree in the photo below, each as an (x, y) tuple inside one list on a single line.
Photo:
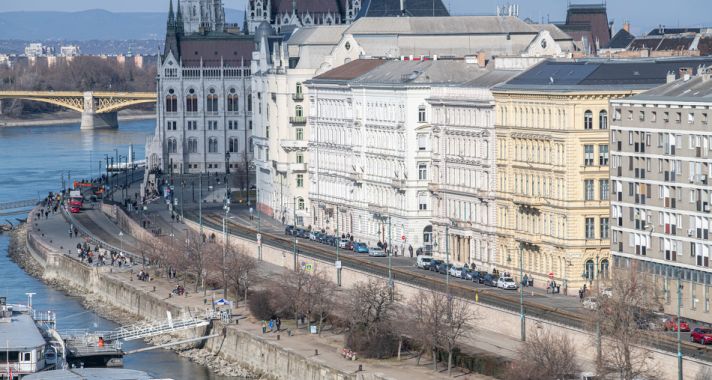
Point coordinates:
[(622, 318), (292, 297), (545, 356), (240, 270), (458, 317), (200, 253), (419, 323), (320, 293), (371, 313)]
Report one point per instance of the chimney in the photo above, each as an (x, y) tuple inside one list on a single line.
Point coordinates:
[(402, 7), (481, 59), (670, 77), (626, 26)]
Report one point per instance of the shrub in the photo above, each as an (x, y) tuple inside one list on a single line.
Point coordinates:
[(260, 305)]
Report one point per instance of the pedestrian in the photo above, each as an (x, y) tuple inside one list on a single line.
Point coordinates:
[(279, 324), (410, 250), (70, 232), (76, 232), (580, 295), (264, 326), (271, 325)]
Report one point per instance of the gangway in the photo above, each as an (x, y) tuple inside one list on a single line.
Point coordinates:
[(147, 330), (18, 204)]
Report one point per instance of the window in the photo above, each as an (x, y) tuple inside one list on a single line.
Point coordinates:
[(192, 145), (604, 189), (191, 101), (589, 190), (171, 125), (212, 145), (192, 125), (422, 141), (588, 120), (300, 204), (653, 116), (603, 120), (590, 233), (603, 155), (422, 201), (421, 114), (299, 88), (678, 117), (300, 158), (300, 180), (298, 111), (251, 145), (249, 102), (233, 101), (588, 155), (422, 171), (233, 145), (211, 102), (232, 125), (171, 102), (300, 133), (641, 115), (172, 146), (604, 228), (617, 114), (212, 125)]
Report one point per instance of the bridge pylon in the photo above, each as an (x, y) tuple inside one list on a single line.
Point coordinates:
[(94, 120)]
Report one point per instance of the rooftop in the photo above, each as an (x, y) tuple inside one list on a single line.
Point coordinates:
[(445, 25), (695, 89), (390, 8), (593, 74), (407, 73), (351, 70), (90, 374), (20, 333)]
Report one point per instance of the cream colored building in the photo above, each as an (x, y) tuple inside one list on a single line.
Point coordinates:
[(553, 159)]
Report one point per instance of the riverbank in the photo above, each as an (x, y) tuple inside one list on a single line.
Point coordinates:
[(20, 253), (67, 117)]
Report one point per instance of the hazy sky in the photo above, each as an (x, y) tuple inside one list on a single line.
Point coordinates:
[(643, 14)]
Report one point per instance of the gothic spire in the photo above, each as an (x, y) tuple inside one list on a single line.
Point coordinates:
[(171, 16), (245, 27), (179, 18)]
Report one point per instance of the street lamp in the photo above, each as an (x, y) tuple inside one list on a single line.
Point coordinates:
[(522, 314), (225, 241), (382, 217), (679, 337), (337, 264)]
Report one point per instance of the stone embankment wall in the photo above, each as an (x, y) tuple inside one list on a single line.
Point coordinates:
[(247, 350)]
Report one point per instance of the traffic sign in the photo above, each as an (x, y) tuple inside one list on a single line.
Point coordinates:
[(403, 237), (551, 275), (338, 264), (259, 239)]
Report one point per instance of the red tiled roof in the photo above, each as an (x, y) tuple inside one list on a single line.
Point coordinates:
[(351, 70)]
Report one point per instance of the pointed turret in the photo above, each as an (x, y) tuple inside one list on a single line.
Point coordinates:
[(245, 27), (173, 32), (171, 16), (179, 19)]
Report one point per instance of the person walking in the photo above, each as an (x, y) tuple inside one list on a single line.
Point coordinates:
[(279, 324), (264, 326), (271, 325), (410, 250)]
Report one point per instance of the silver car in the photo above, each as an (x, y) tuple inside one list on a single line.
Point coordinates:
[(376, 252)]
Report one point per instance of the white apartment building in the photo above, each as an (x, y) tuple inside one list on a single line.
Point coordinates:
[(463, 180), (369, 145)]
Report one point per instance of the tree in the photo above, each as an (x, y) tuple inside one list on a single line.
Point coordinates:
[(239, 270), (199, 254), (320, 293), (458, 317), (545, 356), (623, 318), (292, 297), (371, 313)]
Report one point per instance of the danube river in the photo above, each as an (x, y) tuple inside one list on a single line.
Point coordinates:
[(32, 162)]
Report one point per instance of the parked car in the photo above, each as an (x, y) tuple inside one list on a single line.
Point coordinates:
[(671, 325), (344, 243), (590, 303), (312, 236), (488, 280), (423, 262), (456, 271), (443, 268), (506, 283), (472, 275), (376, 252), (302, 233), (360, 248), (289, 230), (701, 335), (434, 265)]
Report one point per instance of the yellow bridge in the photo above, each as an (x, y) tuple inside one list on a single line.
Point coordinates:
[(98, 109)]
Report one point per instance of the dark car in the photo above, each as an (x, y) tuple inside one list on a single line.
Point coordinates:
[(489, 280), (302, 233), (472, 275), (434, 265), (289, 230), (443, 268)]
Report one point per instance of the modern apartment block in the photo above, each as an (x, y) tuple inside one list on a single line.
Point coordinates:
[(553, 157), (661, 205)]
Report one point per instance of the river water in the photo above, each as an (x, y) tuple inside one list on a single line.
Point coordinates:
[(32, 162)]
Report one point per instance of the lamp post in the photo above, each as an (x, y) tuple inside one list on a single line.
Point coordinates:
[(259, 226), (598, 320), (337, 264), (522, 316), (382, 217), (225, 242), (679, 337)]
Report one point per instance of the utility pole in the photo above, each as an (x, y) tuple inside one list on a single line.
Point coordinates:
[(447, 260), (390, 262), (679, 337), (259, 225), (200, 203), (338, 242), (521, 294)]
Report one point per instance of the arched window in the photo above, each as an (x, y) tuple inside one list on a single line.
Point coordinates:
[(588, 120), (234, 145), (603, 120), (212, 145), (233, 101), (300, 203), (172, 145), (211, 102), (192, 145), (171, 101), (298, 111), (191, 101), (604, 269), (588, 270)]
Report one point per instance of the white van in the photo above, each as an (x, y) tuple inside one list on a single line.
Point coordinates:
[(423, 262)]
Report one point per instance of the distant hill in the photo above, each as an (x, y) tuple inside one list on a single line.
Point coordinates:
[(89, 25)]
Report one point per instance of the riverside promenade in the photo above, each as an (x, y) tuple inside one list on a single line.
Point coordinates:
[(95, 226)]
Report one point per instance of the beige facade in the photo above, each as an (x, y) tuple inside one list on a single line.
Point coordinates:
[(552, 183)]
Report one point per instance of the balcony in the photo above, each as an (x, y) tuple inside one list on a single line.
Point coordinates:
[(298, 120), (398, 183), (531, 202), (298, 97), (377, 209), (281, 167), (298, 167), (290, 145), (433, 187), (356, 177)]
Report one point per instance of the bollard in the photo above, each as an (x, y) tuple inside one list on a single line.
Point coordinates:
[(289, 332), (360, 368), (154, 289), (316, 352), (277, 336), (170, 295), (205, 301)]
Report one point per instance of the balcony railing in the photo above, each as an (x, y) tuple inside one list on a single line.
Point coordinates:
[(298, 97), (295, 144), (298, 167), (298, 120), (398, 183), (356, 177)]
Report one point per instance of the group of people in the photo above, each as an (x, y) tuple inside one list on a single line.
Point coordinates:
[(179, 290), (143, 276), (274, 324), (50, 205), (101, 256)]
